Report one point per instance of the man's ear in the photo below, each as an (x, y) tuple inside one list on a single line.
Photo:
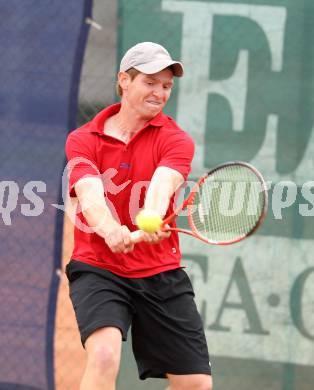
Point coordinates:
[(124, 80)]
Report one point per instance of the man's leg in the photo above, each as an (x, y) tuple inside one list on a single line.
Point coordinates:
[(190, 382), (103, 349)]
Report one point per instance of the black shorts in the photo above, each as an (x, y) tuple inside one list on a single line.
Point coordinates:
[(167, 330)]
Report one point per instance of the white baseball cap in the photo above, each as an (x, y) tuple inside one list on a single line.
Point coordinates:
[(149, 58)]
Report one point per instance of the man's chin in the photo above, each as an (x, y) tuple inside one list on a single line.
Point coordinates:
[(150, 114)]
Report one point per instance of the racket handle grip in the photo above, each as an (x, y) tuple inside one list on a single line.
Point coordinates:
[(136, 236)]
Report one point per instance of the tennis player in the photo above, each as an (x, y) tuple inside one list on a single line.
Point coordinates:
[(133, 156)]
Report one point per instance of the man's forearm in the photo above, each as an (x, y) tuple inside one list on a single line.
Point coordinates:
[(100, 219), (90, 193), (158, 198), (163, 185)]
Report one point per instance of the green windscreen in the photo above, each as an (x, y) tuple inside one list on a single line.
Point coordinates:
[(247, 95)]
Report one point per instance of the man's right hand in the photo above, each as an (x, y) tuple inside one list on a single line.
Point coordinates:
[(119, 240)]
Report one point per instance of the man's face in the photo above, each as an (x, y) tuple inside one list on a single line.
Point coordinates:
[(146, 94)]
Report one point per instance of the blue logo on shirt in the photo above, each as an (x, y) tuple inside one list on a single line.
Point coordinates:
[(125, 165)]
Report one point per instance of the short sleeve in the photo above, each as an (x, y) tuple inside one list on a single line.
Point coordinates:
[(177, 152), (81, 160)]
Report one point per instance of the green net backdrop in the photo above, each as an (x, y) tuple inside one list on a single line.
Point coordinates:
[(247, 95)]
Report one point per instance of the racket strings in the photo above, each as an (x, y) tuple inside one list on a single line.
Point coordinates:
[(228, 204)]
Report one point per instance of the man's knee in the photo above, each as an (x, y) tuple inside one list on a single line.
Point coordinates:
[(103, 358), (191, 382), (207, 384), (103, 349)]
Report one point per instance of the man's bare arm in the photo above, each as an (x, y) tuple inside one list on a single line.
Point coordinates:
[(90, 194), (163, 185)]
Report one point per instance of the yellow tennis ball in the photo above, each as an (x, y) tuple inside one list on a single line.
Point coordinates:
[(148, 220)]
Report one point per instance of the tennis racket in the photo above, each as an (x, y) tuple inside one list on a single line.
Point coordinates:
[(225, 206)]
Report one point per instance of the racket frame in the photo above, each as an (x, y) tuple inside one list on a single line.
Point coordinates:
[(188, 204)]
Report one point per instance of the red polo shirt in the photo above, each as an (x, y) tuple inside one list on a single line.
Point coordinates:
[(126, 170)]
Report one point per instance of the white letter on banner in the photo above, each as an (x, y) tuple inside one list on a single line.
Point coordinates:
[(38, 204), (11, 190), (282, 199), (196, 56)]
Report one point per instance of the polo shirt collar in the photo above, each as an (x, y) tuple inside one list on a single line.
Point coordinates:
[(97, 124), (159, 120)]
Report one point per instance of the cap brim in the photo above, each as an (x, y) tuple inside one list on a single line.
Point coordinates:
[(157, 66)]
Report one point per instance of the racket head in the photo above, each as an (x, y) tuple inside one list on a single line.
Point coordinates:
[(227, 204)]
